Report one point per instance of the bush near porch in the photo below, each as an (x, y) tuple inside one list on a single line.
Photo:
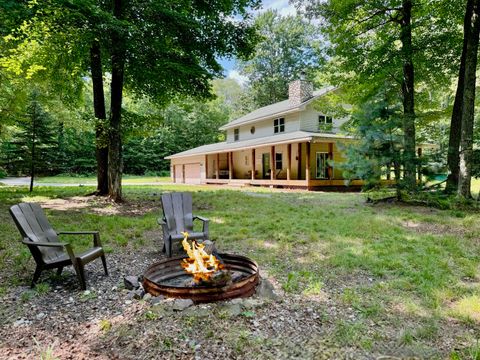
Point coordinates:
[(356, 279)]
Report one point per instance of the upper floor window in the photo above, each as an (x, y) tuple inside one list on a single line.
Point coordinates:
[(279, 125), (322, 119), (325, 122), (236, 134)]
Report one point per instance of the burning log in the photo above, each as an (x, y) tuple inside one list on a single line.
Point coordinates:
[(203, 266)]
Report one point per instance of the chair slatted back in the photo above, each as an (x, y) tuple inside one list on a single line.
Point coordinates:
[(177, 209), (34, 226)]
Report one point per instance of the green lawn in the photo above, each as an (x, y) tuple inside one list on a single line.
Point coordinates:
[(410, 272)]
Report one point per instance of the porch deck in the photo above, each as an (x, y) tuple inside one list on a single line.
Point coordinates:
[(310, 184)]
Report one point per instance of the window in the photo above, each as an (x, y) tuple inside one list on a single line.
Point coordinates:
[(236, 134), (246, 160), (279, 125), (323, 119), (322, 166), (252, 130), (278, 161)]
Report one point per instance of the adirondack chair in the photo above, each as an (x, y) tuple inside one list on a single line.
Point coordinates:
[(178, 217), (47, 251)]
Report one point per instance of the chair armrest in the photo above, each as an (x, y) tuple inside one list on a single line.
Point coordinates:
[(45, 244), (96, 235), (200, 218), (76, 232), (205, 223)]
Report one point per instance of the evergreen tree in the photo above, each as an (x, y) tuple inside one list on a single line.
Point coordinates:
[(34, 145)]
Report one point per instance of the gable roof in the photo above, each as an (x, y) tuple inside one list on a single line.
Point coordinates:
[(277, 109), (277, 139)]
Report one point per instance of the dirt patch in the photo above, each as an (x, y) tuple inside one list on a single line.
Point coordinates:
[(103, 206), (435, 229)]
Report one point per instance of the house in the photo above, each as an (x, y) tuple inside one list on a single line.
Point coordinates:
[(286, 144)]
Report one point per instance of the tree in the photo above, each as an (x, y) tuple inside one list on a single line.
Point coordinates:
[(464, 112), (35, 140), (396, 46), (378, 129), (289, 46), (148, 41)]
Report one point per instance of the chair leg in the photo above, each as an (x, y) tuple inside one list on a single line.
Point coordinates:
[(59, 271), (81, 275), (36, 275), (104, 262), (168, 247)]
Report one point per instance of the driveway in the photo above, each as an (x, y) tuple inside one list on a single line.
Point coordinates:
[(25, 181)]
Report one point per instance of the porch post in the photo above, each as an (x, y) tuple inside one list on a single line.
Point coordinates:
[(217, 169), (272, 162), (230, 165), (330, 157), (289, 160), (299, 162), (206, 166), (253, 164), (307, 162)]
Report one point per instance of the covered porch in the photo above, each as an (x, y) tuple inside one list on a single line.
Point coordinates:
[(307, 162)]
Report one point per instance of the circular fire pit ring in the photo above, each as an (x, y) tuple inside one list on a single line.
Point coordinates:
[(168, 278)]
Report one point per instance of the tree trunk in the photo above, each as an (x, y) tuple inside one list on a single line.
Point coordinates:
[(466, 141), (101, 140), (34, 130), (408, 96), (453, 158), (115, 130)]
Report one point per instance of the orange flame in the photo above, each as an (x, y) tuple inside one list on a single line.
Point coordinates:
[(200, 264)]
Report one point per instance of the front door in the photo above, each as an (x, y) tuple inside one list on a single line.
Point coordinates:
[(321, 165), (266, 165)]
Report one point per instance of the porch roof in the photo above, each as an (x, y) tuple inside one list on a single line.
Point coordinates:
[(286, 138)]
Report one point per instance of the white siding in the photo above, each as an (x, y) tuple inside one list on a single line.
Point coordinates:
[(265, 128), (309, 120)]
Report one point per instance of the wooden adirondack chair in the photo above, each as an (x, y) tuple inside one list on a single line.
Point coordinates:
[(178, 217), (47, 251)]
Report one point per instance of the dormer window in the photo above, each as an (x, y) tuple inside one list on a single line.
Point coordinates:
[(325, 123), (236, 134), (324, 120), (279, 125)]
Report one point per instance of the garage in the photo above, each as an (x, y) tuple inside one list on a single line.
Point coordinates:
[(178, 171), (192, 173)]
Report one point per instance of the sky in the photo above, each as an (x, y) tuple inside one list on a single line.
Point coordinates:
[(284, 8)]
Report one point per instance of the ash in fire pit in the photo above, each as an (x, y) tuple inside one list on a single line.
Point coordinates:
[(197, 278)]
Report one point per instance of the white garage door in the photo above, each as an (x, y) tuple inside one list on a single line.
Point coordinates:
[(192, 173), (179, 173)]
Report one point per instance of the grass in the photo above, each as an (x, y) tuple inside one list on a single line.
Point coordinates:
[(390, 263)]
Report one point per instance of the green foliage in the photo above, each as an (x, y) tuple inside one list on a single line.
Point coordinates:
[(34, 143), (289, 45), (378, 129)]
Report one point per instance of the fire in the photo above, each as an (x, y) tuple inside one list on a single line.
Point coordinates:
[(200, 264)]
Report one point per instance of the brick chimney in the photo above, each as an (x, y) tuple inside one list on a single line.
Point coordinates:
[(299, 90)]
